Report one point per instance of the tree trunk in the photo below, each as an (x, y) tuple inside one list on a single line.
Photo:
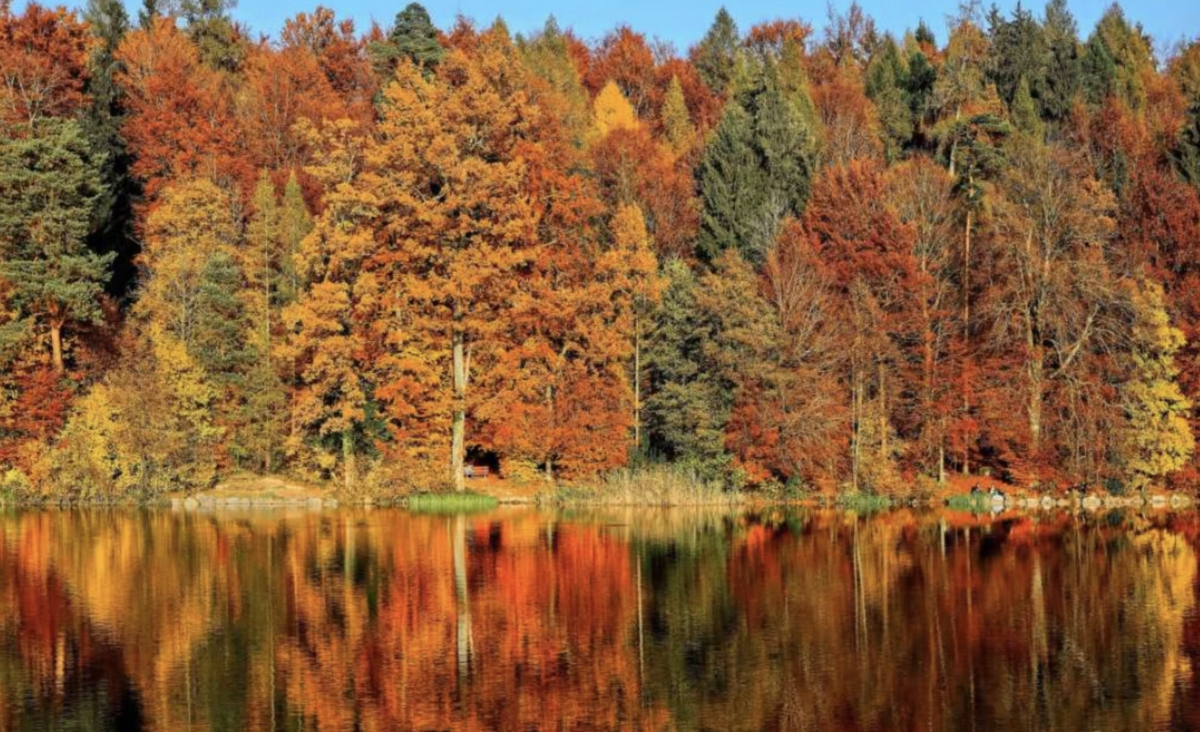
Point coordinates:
[(637, 383), (458, 429), (549, 455), (966, 334), (56, 327), (348, 456)]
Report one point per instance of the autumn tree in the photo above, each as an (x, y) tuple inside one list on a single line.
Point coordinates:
[(324, 329), (1159, 438), (457, 227), (43, 63), (180, 121), (1055, 302)]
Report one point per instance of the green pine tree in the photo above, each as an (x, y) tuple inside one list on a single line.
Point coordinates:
[(413, 36), (51, 185), (755, 171), (688, 409), (886, 83), (1064, 72), (1024, 112), (716, 54)]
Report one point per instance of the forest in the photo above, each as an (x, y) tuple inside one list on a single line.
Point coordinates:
[(807, 255)]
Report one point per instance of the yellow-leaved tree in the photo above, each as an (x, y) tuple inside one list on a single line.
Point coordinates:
[(1159, 439), (613, 111), (325, 331)]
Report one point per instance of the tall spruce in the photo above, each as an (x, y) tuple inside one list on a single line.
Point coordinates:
[(715, 56), (102, 122), (754, 173), (1064, 71)]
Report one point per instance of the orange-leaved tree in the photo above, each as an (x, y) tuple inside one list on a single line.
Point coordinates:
[(457, 229)]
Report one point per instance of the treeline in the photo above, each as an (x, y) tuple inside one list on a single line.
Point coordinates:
[(828, 259)]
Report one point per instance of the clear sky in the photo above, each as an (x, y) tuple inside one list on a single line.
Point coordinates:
[(683, 22)]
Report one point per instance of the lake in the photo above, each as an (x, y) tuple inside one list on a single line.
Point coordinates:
[(357, 619)]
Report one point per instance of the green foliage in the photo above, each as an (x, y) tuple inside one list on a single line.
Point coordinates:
[(413, 37), (755, 172), (690, 402), (1116, 55), (1019, 52), (887, 85), (50, 187), (715, 56), (1024, 113), (208, 24), (1064, 70)]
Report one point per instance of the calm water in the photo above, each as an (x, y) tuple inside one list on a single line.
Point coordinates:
[(523, 620)]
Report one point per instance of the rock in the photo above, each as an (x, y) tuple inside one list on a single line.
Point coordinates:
[(314, 503), (331, 503), (191, 504)]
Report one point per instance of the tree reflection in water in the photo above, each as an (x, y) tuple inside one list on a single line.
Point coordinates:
[(381, 620)]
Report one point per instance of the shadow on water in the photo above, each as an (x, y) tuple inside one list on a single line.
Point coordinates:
[(598, 619)]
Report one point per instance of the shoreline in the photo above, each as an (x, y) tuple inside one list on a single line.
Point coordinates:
[(210, 501)]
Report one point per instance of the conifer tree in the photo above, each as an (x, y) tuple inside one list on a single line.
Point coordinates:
[(1064, 69), (676, 122), (412, 37), (716, 55), (50, 187)]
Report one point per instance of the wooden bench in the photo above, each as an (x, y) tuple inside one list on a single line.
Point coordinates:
[(476, 471)]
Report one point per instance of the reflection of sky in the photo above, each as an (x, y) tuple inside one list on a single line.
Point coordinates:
[(682, 22)]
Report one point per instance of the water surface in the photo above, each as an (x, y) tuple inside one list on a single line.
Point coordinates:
[(527, 620)]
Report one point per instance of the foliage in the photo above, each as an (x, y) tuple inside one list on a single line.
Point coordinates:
[(825, 261)]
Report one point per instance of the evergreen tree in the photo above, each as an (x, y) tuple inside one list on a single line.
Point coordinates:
[(1064, 71), (754, 173), (1018, 51), (102, 122), (716, 55), (413, 37), (149, 11), (212, 30), (1117, 56), (50, 188), (676, 122), (731, 183), (886, 82), (688, 408), (1024, 112), (1186, 154)]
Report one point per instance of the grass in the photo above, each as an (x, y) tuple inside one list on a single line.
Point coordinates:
[(863, 502), (451, 503), (978, 502), (653, 486)]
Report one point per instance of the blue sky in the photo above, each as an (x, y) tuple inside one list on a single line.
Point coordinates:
[(683, 22)]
